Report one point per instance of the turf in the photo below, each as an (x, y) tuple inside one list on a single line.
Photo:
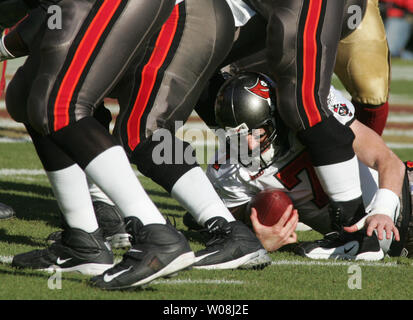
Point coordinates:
[(290, 277)]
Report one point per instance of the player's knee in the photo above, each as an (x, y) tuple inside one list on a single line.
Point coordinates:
[(372, 90), (173, 165), (328, 142)]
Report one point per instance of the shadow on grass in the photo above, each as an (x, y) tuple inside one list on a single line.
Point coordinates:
[(18, 239), (32, 206)]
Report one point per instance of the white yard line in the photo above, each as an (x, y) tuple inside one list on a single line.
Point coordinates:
[(398, 132), (203, 281), (32, 172), (393, 145), (333, 263)]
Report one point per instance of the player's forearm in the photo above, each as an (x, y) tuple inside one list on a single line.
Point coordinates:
[(373, 152), (391, 173), (17, 42)]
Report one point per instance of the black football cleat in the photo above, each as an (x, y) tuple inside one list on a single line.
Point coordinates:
[(6, 212), (77, 251), (232, 245), (158, 250), (110, 221), (343, 246)]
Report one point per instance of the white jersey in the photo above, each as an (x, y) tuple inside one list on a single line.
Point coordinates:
[(293, 173), (178, 1), (241, 11)]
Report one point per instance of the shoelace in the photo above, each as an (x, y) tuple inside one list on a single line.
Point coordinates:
[(218, 235), (332, 236)]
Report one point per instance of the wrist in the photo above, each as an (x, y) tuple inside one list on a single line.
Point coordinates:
[(385, 202)]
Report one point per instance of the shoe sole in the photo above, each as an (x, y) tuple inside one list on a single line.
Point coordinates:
[(255, 260), (182, 262), (370, 256), (345, 252), (367, 256), (92, 269)]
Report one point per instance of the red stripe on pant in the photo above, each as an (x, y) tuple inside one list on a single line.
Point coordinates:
[(310, 51), (80, 60), (149, 75), (3, 66)]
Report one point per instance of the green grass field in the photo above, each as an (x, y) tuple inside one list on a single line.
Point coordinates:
[(24, 186), (289, 277)]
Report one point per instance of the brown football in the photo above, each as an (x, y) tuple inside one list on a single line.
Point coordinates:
[(270, 205)]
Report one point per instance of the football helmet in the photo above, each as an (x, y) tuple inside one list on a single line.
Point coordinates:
[(247, 101)]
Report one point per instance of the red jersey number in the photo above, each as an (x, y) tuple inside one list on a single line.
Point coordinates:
[(288, 176)]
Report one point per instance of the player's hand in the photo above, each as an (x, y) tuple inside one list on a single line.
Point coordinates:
[(283, 232), (379, 222)]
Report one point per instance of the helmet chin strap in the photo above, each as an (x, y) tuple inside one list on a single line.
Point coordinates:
[(268, 155), (265, 159)]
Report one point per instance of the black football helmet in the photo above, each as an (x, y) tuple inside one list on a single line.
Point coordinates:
[(248, 101)]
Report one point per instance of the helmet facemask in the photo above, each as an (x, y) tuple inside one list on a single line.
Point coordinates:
[(245, 104), (265, 152)]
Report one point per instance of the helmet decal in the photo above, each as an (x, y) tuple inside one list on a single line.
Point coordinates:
[(260, 89)]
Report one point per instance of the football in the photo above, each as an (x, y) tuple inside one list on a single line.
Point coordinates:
[(270, 205)]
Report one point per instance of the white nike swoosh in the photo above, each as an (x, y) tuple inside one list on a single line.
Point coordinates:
[(109, 278), (60, 261), (210, 226), (135, 250), (204, 256)]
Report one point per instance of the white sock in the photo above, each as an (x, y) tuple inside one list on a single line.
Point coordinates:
[(112, 172), (369, 183), (72, 193), (340, 181), (196, 194), (97, 194)]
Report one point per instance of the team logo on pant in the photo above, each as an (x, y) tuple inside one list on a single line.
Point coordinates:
[(260, 89), (342, 110)]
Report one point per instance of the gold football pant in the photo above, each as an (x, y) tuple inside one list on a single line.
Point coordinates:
[(363, 66)]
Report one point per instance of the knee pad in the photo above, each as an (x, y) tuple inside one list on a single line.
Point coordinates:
[(328, 142), (83, 140), (167, 173)]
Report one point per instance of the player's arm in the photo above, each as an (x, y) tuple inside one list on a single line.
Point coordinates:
[(16, 41), (372, 151)]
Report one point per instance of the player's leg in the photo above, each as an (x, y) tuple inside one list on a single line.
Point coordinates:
[(363, 66), (302, 42), (166, 94), (70, 188), (77, 75), (71, 100)]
